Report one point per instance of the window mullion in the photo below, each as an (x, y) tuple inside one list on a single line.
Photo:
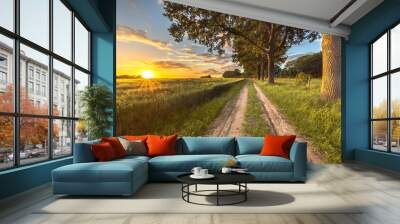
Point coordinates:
[(389, 104), (16, 85), (73, 82), (50, 81)]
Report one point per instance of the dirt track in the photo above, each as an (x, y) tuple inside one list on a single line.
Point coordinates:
[(231, 118)]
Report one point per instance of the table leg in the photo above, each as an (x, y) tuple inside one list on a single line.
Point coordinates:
[(245, 193), (188, 190), (195, 188), (217, 194), (182, 188)]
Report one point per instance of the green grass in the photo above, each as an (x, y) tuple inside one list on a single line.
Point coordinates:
[(254, 124), (318, 120), (185, 107)]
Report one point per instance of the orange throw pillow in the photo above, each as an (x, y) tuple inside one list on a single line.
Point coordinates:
[(277, 145), (116, 145), (161, 145), (135, 137), (103, 152)]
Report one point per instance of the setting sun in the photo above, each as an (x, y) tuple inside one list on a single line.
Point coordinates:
[(147, 74)]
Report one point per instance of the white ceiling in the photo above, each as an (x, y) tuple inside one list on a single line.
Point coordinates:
[(319, 9), (316, 15)]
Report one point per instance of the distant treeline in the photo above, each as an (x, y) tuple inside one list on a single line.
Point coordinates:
[(310, 64), (129, 76)]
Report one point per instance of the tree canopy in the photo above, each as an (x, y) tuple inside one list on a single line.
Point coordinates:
[(257, 46), (34, 130), (232, 74), (309, 64)]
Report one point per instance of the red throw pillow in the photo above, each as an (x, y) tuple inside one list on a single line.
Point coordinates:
[(161, 145), (136, 137), (277, 145), (116, 145), (103, 152)]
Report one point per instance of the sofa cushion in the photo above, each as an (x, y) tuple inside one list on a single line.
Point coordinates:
[(133, 157), (135, 137), (116, 145), (103, 152), (249, 145), (134, 147), (206, 145), (161, 145), (257, 163), (185, 163), (112, 171), (275, 145)]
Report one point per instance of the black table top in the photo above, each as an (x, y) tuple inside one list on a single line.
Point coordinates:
[(220, 178)]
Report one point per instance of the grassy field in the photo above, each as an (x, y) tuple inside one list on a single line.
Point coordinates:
[(166, 106), (318, 120), (254, 124)]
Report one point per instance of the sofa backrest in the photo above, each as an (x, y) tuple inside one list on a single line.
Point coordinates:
[(83, 152), (249, 145), (190, 146), (206, 145)]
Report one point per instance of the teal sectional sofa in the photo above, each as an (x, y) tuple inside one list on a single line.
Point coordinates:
[(125, 176)]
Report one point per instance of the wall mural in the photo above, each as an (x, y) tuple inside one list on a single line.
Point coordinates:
[(196, 72)]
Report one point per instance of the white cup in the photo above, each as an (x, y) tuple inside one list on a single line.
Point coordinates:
[(203, 172), (196, 171), (226, 170)]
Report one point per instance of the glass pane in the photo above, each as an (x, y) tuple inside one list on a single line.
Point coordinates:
[(81, 131), (379, 97), (81, 45), (379, 55), (62, 28), (7, 14), (81, 82), (379, 135), (395, 94), (6, 74), (35, 21), (395, 47), (33, 140), (34, 97), (62, 89), (62, 138), (395, 136), (6, 142)]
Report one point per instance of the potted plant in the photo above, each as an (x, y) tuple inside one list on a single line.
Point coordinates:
[(97, 103)]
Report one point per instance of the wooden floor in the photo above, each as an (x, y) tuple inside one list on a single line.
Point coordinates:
[(379, 189)]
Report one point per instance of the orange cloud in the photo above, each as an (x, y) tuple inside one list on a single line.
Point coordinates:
[(169, 64), (128, 34)]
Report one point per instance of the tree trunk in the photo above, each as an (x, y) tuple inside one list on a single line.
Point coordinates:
[(331, 67), (259, 72), (271, 75), (262, 69)]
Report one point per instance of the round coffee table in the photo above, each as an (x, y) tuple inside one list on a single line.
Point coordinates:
[(238, 179)]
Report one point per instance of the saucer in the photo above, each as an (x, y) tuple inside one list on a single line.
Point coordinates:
[(208, 176)]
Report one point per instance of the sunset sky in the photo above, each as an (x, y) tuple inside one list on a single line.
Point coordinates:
[(144, 46)]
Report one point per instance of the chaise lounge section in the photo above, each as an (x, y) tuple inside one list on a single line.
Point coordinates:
[(125, 176)]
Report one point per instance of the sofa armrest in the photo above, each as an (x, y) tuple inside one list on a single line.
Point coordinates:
[(298, 155), (83, 152)]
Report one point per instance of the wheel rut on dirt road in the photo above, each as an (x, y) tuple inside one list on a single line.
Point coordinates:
[(231, 118), (281, 125)]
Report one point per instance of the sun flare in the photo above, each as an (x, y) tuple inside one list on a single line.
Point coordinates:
[(147, 74)]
